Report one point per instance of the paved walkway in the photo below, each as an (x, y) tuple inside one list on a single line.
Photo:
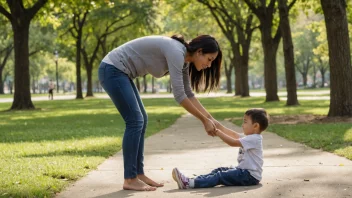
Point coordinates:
[(290, 169)]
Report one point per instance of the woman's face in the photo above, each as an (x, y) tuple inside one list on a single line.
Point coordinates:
[(202, 61)]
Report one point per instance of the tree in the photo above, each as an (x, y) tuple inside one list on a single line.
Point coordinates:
[(20, 18), (228, 72), (236, 23), (288, 53), (74, 17), (110, 21), (340, 57), (6, 48), (270, 44), (321, 50)]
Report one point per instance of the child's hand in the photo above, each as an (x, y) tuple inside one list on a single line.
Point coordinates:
[(217, 131), (209, 127)]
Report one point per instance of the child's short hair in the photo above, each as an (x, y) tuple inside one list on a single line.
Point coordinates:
[(259, 115)]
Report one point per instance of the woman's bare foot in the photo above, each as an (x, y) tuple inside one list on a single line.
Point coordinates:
[(148, 181), (136, 184)]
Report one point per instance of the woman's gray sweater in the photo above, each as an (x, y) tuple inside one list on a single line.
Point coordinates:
[(155, 55)]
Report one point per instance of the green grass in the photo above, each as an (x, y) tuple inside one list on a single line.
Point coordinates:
[(41, 151), (38, 95)]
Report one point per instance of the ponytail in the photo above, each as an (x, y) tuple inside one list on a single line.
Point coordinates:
[(181, 39)]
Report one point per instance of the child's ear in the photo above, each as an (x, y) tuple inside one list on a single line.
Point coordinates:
[(256, 126)]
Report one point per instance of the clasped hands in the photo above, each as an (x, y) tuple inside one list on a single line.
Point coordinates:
[(211, 125)]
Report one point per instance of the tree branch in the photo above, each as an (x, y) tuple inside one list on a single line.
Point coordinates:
[(291, 4), (277, 36), (251, 6), (34, 52), (5, 13), (120, 27), (7, 55), (271, 4), (35, 8), (72, 33)]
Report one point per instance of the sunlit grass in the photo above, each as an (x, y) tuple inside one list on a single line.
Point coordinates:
[(41, 151)]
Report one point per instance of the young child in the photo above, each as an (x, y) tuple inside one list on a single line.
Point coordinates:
[(250, 157)]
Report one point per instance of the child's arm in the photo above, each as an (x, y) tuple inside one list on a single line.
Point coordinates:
[(231, 141), (227, 131)]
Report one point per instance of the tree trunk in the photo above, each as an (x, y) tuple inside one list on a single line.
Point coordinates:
[(10, 86), (153, 86), (89, 83), (270, 74), (314, 76), (265, 13), (228, 83), (145, 84), (244, 77), (170, 86), (238, 68), (138, 85), (244, 40), (2, 82), (20, 18), (237, 77), (79, 94), (322, 72), (33, 85), (339, 57), (8, 52), (288, 54), (22, 96), (304, 77), (228, 72)]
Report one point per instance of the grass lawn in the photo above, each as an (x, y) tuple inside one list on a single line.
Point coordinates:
[(41, 151), (38, 95)]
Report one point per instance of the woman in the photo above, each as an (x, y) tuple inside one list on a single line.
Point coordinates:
[(195, 64)]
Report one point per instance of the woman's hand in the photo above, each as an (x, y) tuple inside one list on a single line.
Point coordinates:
[(209, 127), (216, 123)]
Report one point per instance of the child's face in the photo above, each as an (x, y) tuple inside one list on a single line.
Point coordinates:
[(247, 125)]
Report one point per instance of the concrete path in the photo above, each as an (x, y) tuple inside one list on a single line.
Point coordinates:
[(290, 169)]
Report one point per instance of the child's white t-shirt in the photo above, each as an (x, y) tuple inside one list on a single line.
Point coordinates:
[(250, 156)]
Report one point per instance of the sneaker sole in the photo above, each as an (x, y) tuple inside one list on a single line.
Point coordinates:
[(177, 179)]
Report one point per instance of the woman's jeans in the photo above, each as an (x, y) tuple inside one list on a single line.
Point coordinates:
[(125, 96), (225, 176)]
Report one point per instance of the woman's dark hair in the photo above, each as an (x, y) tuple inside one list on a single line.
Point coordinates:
[(259, 115), (208, 78)]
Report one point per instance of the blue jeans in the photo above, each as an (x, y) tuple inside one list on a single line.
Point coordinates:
[(125, 96), (225, 176)]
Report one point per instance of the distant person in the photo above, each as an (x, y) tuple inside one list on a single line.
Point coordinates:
[(195, 64), (51, 90), (250, 157)]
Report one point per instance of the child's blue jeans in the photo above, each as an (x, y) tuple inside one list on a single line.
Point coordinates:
[(125, 96), (225, 176)]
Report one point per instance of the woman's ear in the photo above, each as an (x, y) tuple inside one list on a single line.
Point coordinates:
[(200, 51)]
